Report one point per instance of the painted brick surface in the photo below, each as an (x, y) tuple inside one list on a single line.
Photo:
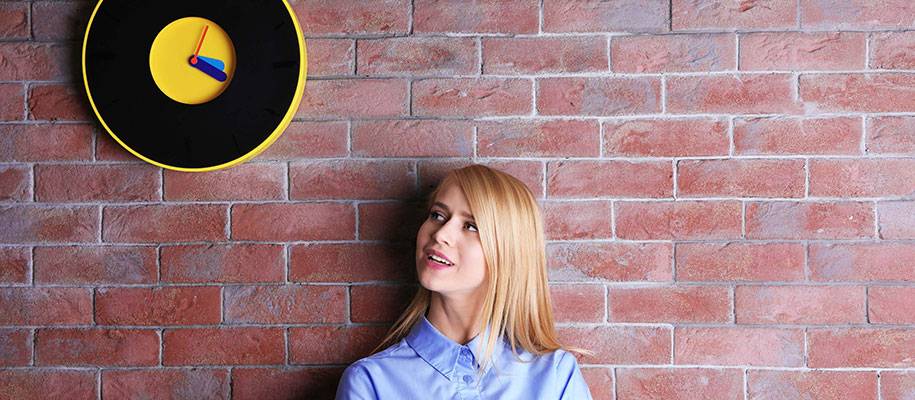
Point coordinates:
[(728, 189)]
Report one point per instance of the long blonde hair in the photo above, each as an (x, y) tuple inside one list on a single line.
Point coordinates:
[(517, 302)]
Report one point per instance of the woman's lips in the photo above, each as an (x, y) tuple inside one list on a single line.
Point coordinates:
[(436, 265)]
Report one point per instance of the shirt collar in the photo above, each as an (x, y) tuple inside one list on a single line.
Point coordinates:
[(440, 351)]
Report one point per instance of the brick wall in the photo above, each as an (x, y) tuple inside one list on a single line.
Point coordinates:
[(727, 188)]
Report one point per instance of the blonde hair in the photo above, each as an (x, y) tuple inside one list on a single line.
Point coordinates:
[(517, 302)]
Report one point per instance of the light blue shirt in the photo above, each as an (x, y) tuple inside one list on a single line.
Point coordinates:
[(428, 365)]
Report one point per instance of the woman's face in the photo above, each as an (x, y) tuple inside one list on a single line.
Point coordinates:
[(450, 230)]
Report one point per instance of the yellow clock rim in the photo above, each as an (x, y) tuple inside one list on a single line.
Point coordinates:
[(284, 123)]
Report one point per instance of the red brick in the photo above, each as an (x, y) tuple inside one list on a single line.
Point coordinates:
[(809, 220), (100, 265), (612, 261), (166, 383), (96, 347), (468, 97), (14, 20), (609, 179), (528, 172), (666, 138), (296, 221), (739, 346), (14, 264), (58, 102), (797, 136), (329, 57), (598, 96), (285, 383), (890, 135), (539, 139), (13, 105), (37, 384), (536, 55), (869, 261), (45, 142), (740, 178), (391, 221), (605, 16), (680, 383), (332, 344), (670, 304), (164, 223), (897, 219), (600, 382), (799, 304), (376, 303), (412, 138), (107, 149), (862, 177), (17, 348), (85, 183), (860, 348), (620, 344), (732, 15), (308, 140), (890, 305), (354, 98), (45, 306), (678, 220), (27, 61), (48, 224), (285, 304), (896, 384), (228, 263), (58, 21), (673, 53), (731, 94), (509, 16), (322, 17), (881, 92), (15, 183), (853, 385), (573, 220), (578, 303), (802, 50), (351, 179), (220, 346), (855, 14), (888, 50), (738, 261), (193, 305), (248, 181), (347, 262), (434, 56)]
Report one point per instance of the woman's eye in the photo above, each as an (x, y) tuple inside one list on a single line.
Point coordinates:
[(434, 214), (473, 226)]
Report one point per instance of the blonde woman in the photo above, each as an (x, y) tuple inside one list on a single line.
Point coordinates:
[(481, 264)]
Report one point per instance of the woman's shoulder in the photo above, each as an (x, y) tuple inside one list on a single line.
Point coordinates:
[(395, 350)]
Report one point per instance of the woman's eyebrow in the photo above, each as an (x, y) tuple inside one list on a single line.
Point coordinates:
[(442, 205)]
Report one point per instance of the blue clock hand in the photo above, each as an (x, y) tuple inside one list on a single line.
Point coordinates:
[(207, 68), (214, 62)]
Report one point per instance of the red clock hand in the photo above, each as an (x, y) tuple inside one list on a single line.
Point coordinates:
[(199, 44)]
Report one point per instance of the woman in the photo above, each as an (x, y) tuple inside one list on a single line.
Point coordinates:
[(481, 264)]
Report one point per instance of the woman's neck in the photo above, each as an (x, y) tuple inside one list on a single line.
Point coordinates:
[(455, 317)]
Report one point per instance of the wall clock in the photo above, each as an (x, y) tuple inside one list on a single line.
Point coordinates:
[(194, 85)]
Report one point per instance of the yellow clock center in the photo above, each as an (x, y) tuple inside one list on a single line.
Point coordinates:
[(192, 60)]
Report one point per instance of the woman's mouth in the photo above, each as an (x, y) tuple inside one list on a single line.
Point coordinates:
[(432, 263)]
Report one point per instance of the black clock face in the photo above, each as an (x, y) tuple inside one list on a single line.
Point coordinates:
[(194, 99)]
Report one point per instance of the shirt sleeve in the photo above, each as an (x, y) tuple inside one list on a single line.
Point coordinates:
[(574, 385), (355, 384)]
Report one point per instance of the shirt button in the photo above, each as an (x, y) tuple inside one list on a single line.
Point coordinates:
[(468, 378)]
